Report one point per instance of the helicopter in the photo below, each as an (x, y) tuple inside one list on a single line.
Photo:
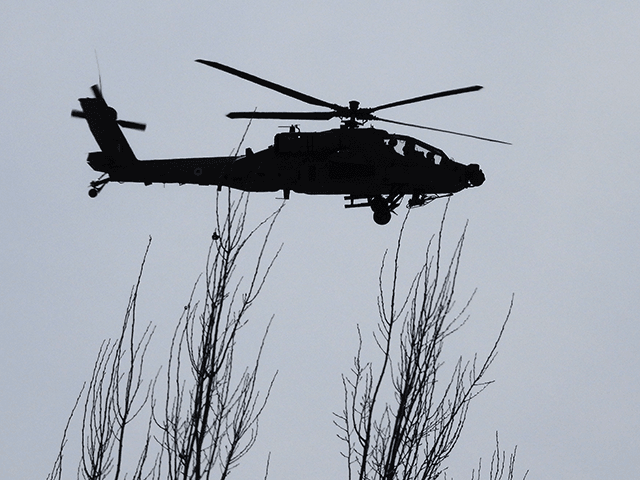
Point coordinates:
[(370, 167)]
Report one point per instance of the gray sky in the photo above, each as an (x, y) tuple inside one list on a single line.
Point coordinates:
[(555, 223)]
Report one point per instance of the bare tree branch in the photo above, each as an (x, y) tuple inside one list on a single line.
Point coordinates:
[(56, 471), (410, 437), (498, 464), (211, 414), (211, 410)]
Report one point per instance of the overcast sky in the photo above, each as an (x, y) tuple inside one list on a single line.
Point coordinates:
[(556, 222)]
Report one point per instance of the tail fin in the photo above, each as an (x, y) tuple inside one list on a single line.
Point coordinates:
[(105, 127)]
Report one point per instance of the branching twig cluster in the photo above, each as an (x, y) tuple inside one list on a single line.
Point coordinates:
[(499, 464), (410, 437), (115, 396), (209, 419), (213, 422)]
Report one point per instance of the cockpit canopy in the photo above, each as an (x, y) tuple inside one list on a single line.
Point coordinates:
[(412, 148), (296, 142)]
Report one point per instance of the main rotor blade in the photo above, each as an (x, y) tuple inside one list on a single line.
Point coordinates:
[(440, 130), (422, 98), (273, 86), (284, 115)]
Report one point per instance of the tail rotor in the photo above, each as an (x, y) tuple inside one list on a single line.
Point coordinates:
[(97, 92)]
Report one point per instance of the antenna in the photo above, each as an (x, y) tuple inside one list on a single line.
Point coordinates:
[(95, 51)]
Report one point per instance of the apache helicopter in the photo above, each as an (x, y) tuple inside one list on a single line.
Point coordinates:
[(370, 167)]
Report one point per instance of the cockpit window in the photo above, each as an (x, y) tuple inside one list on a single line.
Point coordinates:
[(412, 149)]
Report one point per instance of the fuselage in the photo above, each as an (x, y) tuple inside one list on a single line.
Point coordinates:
[(361, 162)]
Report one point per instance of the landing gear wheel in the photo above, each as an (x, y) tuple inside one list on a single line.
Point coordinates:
[(382, 217), (93, 193)]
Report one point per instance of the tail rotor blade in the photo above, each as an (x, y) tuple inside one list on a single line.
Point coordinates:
[(132, 125), (97, 92)]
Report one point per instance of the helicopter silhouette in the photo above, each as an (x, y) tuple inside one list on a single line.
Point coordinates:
[(369, 166)]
